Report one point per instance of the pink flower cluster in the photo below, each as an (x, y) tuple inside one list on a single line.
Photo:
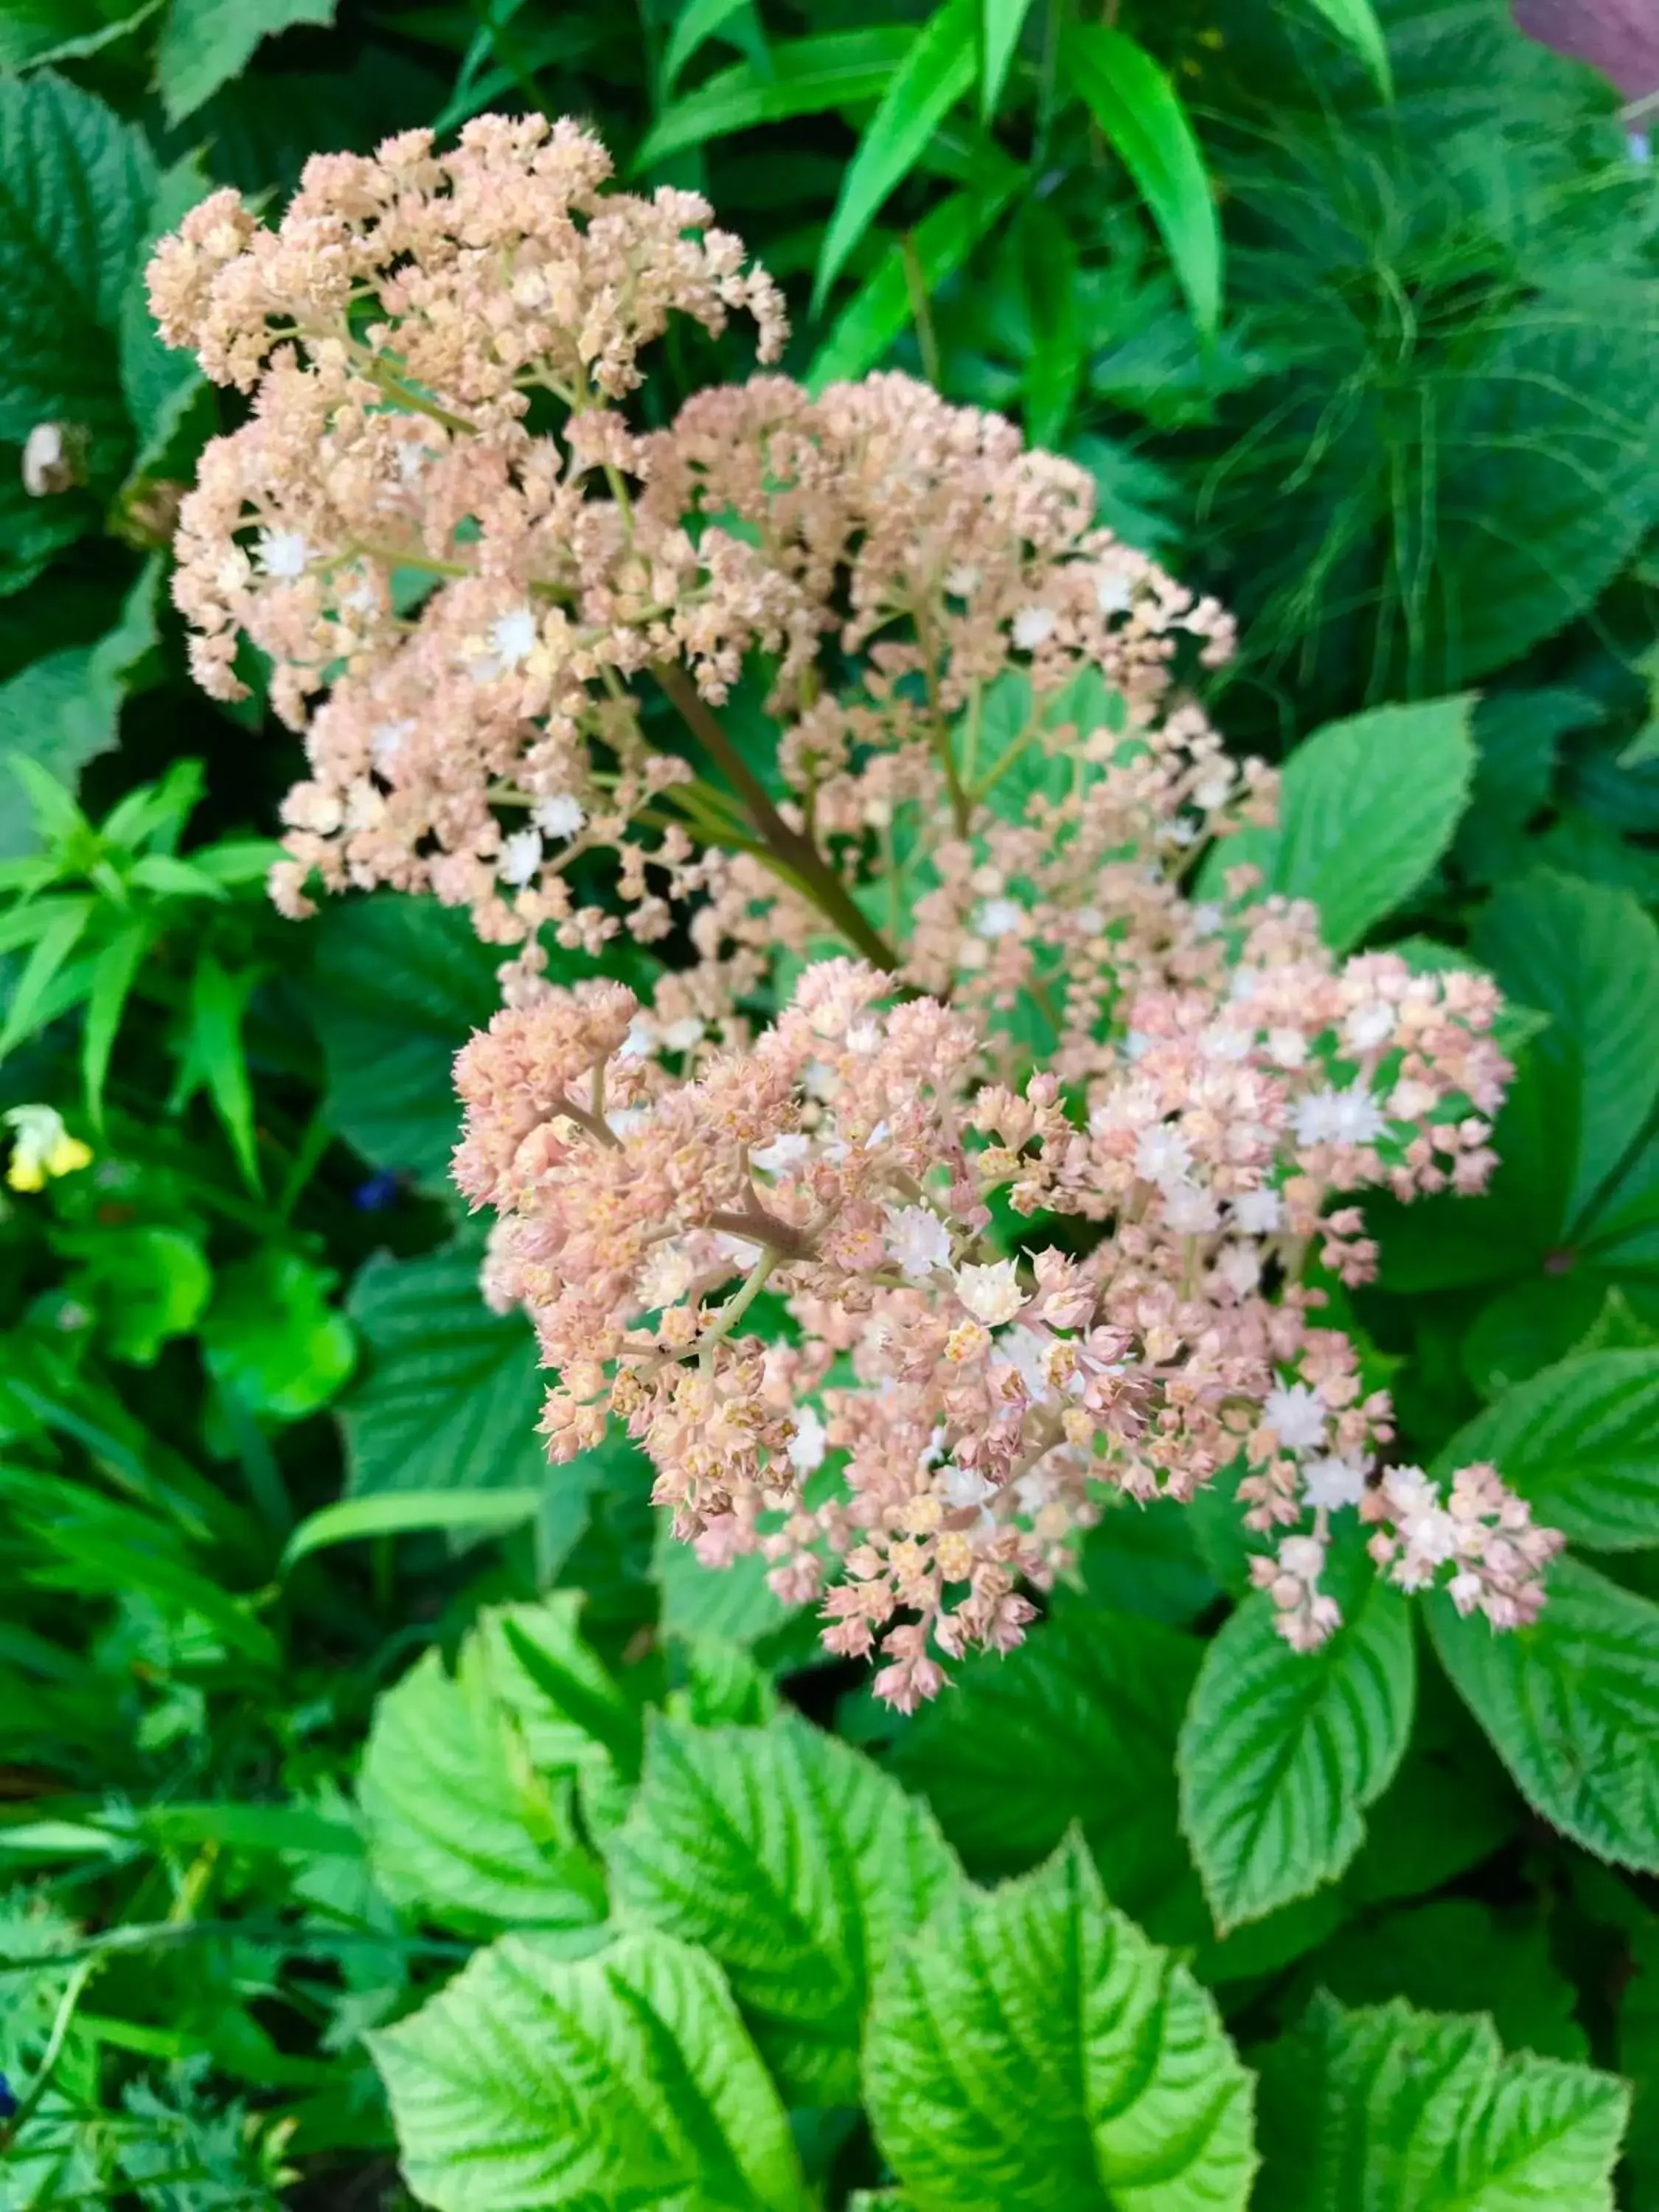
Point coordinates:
[(898, 1286)]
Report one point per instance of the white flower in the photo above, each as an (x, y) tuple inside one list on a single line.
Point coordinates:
[(1367, 1027), (1090, 919), (1026, 1351), (782, 1153), (624, 1120), (521, 856), (1001, 917), (559, 816), (1033, 626), (1163, 1155), (513, 638), (281, 552), (41, 1146), (1189, 1211), (992, 1294), (1259, 1212), (1113, 592), (386, 740), (1239, 1269), (1287, 1047), (640, 1043), (668, 1274), (1296, 1414), (1208, 919), (681, 1036), (1244, 984), (917, 1240), (810, 1442), (1326, 1117), (1333, 1481), (962, 580), (963, 1486), (1212, 789), (1220, 1043)]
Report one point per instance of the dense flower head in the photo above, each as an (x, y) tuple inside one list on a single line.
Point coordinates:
[(899, 1268)]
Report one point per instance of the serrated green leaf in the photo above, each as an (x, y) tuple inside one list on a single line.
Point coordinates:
[(1355, 23), (797, 1865), (1589, 957), (625, 2080), (462, 1827), (1000, 24), (1032, 2048), (205, 43), (1140, 112), (1282, 1751), (1367, 807), (1580, 1443), (1397, 2111), (1104, 1694), (935, 73), (1571, 1705), (807, 76), (734, 1603)]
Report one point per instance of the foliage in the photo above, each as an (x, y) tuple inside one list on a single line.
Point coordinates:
[(371, 1802)]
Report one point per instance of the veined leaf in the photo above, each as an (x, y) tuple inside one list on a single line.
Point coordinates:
[(1141, 114), (1000, 24), (1282, 1751), (1355, 21), (1032, 2048), (622, 2079), (1580, 1443), (808, 77), (1421, 2112), (797, 1865), (936, 73), (1571, 1706)]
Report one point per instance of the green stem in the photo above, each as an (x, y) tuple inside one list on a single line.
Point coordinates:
[(83, 1973)]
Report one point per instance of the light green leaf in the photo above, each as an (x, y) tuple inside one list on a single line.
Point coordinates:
[(149, 1283), (1355, 23), (407, 1513), (113, 976), (1282, 1751), (624, 2079), (450, 1392), (462, 1828), (205, 43), (29, 1006), (1032, 2048), (733, 1603), (1397, 2111), (1367, 807), (36, 32), (1140, 112), (1571, 1706), (272, 1337), (936, 73), (1103, 1693), (1588, 957), (807, 76), (698, 22), (1000, 24), (1580, 1443), (796, 1864)]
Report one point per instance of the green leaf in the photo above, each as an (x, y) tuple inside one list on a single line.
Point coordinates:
[(999, 26), (34, 33), (1140, 112), (158, 381), (75, 193), (934, 75), (1032, 2048), (462, 1828), (1571, 1707), (1588, 957), (807, 76), (406, 1512), (205, 43), (1367, 807), (796, 1864), (1397, 2111), (450, 1392), (147, 1283), (1580, 1443), (113, 976), (1282, 1751), (399, 984), (624, 2079), (1103, 1693), (272, 1337), (29, 1006), (698, 22), (733, 1603), (1355, 23)]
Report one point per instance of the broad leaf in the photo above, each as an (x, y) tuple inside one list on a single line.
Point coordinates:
[(1140, 112), (1103, 1693), (622, 2080), (450, 1391), (934, 75), (1032, 2048), (1589, 957), (1368, 807), (1282, 1751), (271, 1337), (462, 1828), (797, 1865), (1397, 2111), (806, 76), (205, 43), (1580, 1443), (1571, 1706), (733, 1603)]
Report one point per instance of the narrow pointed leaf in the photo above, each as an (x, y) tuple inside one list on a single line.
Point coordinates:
[(808, 77), (1000, 24), (1355, 23), (112, 977)]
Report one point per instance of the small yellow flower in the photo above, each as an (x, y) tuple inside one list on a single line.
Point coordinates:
[(41, 1146)]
